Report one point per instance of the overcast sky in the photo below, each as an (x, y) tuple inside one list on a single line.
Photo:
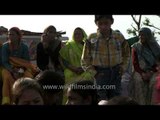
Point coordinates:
[(37, 23)]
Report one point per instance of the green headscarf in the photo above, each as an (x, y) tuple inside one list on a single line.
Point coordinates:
[(83, 32), (76, 49)]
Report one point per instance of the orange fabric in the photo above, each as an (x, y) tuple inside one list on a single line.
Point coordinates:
[(23, 63), (8, 79)]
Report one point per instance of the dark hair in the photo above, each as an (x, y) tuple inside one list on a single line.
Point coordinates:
[(17, 31), (53, 80), (98, 17), (21, 85), (85, 88), (50, 27), (122, 100)]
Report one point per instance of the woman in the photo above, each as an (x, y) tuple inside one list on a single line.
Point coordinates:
[(48, 51), (71, 56), (27, 91), (144, 54), (15, 62)]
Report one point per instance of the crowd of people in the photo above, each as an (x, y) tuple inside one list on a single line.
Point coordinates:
[(99, 69)]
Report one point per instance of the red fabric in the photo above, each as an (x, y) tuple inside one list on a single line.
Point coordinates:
[(156, 93), (156, 97), (158, 82), (135, 61)]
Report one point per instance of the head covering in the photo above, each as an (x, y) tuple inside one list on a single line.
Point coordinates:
[(147, 33), (151, 41), (76, 49), (98, 17), (83, 32)]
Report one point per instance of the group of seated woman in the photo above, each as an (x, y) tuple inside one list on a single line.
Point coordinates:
[(64, 63)]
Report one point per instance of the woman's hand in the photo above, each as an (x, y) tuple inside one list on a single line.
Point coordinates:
[(80, 70), (77, 70), (15, 73)]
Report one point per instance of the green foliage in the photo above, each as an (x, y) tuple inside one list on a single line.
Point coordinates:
[(146, 22), (135, 28), (138, 23), (131, 31)]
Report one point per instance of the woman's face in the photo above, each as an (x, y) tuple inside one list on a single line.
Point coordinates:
[(142, 37), (78, 35), (51, 34), (48, 37), (30, 97), (13, 36)]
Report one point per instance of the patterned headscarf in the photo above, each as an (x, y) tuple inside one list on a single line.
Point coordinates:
[(147, 33), (152, 43)]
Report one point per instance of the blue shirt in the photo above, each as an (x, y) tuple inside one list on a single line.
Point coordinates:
[(22, 52)]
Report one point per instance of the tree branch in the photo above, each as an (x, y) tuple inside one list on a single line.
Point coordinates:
[(134, 19)]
